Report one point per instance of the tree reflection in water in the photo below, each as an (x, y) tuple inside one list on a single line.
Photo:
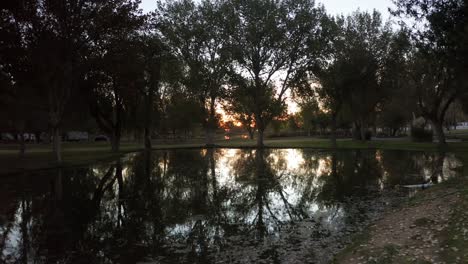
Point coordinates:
[(206, 206)]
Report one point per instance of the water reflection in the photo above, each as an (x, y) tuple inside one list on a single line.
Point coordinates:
[(206, 206)]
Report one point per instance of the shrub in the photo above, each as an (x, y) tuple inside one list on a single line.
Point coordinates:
[(420, 134)]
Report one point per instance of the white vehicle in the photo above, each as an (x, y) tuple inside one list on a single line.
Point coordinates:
[(76, 136)]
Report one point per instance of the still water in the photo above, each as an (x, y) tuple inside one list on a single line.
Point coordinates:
[(207, 206)]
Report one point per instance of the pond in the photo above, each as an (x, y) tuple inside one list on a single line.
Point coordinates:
[(207, 206)]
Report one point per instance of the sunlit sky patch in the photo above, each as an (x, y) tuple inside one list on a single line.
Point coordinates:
[(334, 7)]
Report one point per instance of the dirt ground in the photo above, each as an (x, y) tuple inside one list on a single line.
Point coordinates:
[(431, 228)]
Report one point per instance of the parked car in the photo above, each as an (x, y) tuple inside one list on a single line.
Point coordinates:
[(101, 138)]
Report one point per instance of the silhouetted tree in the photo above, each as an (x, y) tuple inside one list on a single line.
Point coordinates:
[(195, 33), (269, 41), (439, 62)]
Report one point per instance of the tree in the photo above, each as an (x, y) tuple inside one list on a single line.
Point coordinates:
[(349, 70), (327, 70), (439, 61), (269, 40), (310, 115), (399, 103), (51, 31), (435, 90), (116, 67), (196, 35), (367, 45), (15, 103), (183, 113), (152, 55), (238, 107)]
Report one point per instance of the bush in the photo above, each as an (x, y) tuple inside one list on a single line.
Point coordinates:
[(419, 134)]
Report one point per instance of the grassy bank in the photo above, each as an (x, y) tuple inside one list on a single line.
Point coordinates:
[(41, 157), (74, 154)]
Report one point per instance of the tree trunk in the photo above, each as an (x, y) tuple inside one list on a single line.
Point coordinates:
[(362, 130), (333, 131), (117, 127), (20, 126), (148, 145), (260, 138), (47, 138), (115, 141), (22, 141), (251, 133), (211, 124), (356, 131), (439, 129), (57, 143), (149, 118), (209, 137), (37, 136)]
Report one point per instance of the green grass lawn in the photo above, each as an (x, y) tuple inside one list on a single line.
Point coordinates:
[(458, 134), (40, 156)]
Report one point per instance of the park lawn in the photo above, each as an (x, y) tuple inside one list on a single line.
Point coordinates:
[(77, 154), (74, 154), (400, 144)]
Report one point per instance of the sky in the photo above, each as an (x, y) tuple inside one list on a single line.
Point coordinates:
[(345, 7), (334, 7)]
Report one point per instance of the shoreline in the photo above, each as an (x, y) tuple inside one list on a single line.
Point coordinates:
[(39, 157)]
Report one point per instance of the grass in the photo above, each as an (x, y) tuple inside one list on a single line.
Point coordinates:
[(74, 154), (302, 142), (458, 134)]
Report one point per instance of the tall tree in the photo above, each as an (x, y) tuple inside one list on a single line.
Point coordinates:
[(327, 70), (152, 55), (52, 31), (115, 66), (14, 70), (366, 48), (196, 35), (349, 67), (439, 32), (269, 41), (237, 106), (399, 103)]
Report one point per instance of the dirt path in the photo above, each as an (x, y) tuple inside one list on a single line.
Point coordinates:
[(432, 228)]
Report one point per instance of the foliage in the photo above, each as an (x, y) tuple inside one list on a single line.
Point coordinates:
[(269, 38), (439, 61), (349, 70), (196, 35), (183, 113)]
